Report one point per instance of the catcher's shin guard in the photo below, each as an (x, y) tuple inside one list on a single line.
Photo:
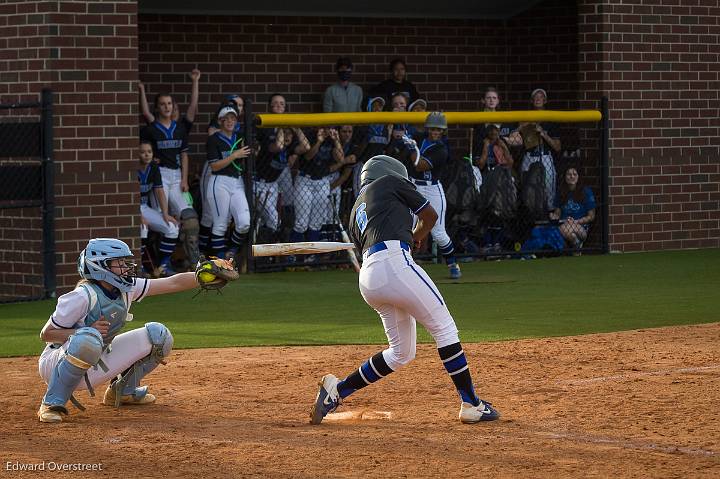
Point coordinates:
[(83, 352), (190, 234), (126, 387)]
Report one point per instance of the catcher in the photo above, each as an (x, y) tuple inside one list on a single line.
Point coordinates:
[(84, 345)]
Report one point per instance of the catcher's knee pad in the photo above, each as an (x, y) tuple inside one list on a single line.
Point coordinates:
[(160, 338), (85, 346), (83, 352)]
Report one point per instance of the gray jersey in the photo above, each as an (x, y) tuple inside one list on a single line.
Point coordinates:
[(383, 211)]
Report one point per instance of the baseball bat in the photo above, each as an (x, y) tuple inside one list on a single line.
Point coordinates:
[(305, 247)]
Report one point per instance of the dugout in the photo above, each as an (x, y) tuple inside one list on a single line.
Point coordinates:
[(656, 63)]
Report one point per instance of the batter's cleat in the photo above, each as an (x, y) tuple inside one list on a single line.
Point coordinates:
[(454, 271), (140, 397), (470, 414), (49, 413), (327, 400)]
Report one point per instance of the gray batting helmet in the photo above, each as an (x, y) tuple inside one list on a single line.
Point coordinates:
[(436, 120), (379, 166)]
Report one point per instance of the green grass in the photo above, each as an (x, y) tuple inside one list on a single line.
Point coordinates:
[(493, 301)]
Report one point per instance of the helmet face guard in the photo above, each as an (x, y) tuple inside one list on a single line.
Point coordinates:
[(97, 260)]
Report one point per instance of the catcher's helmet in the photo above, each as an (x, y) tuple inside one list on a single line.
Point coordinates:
[(436, 119), (379, 166), (94, 262)]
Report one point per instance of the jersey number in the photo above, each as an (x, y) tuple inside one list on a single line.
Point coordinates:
[(361, 217)]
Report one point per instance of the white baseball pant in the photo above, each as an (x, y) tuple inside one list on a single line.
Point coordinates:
[(171, 185), (266, 197), (287, 190), (401, 293), (312, 204), (227, 200), (205, 176), (127, 348), (436, 196), (156, 222)]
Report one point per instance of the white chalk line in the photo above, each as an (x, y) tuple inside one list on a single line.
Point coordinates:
[(623, 377), (628, 444)]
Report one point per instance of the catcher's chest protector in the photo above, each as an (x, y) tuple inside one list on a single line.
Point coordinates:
[(115, 311)]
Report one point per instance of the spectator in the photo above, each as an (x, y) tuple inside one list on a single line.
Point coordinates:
[(340, 177), (237, 102), (226, 189), (169, 139), (397, 84), (417, 106), (426, 163), (343, 96), (154, 210), (312, 191), (541, 142), (491, 102), (234, 100), (494, 151), (374, 140), (278, 151), (576, 206)]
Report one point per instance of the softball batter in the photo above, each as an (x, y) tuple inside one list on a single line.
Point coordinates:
[(82, 335), (399, 290)]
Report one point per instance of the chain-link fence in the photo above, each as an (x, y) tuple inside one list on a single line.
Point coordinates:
[(510, 191), (26, 201)]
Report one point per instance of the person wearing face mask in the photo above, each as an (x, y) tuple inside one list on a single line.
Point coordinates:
[(343, 96)]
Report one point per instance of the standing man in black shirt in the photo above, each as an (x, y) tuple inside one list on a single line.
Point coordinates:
[(399, 290)]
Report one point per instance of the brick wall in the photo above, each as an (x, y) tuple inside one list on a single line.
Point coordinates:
[(450, 61), (659, 66), (86, 51)]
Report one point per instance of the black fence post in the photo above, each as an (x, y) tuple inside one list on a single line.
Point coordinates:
[(48, 204), (605, 175), (249, 120)]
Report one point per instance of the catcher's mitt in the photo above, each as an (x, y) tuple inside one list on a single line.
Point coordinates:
[(214, 273)]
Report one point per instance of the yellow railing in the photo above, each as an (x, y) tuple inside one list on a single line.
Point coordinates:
[(269, 120)]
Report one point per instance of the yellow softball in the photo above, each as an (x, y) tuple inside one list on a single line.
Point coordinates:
[(206, 277)]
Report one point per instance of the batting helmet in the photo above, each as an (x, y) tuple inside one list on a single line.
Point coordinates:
[(94, 262), (436, 120), (379, 166)]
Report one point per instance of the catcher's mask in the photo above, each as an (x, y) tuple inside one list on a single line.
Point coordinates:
[(95, 263), (379, 166)]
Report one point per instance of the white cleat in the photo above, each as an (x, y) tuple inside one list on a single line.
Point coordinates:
[(470, 414), (327, 399)]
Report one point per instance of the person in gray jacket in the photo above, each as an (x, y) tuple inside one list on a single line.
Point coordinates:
[(343, 96)]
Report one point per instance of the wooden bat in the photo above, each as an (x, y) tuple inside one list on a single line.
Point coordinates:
[(306, 247)]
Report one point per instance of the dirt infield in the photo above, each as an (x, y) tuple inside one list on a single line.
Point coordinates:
[(634, 404)]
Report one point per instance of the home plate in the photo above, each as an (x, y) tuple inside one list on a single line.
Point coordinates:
[(359, 416)]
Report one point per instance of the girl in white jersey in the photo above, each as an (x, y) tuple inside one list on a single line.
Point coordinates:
[(84, 345)]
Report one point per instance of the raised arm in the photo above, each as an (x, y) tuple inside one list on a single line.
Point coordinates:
[(147, 114), (194, 95)]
